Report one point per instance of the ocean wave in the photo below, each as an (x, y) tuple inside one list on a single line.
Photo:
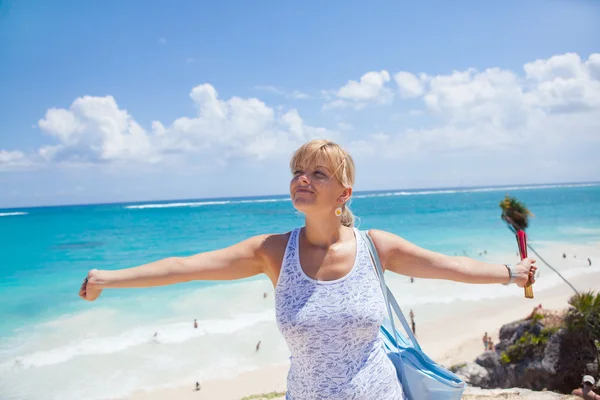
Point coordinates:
[(173, 205), (362, 196), (170, 333), (261, 201), (474, 190), (10, 214), (579, 230), (202, 203)]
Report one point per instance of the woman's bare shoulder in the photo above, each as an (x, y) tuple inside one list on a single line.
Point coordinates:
[(274, 243), (272, 251)]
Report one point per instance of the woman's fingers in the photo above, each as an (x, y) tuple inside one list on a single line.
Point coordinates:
[(83, 289), (532, 270)]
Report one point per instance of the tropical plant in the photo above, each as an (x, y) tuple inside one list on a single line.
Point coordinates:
[(584, 314), (583, 317)]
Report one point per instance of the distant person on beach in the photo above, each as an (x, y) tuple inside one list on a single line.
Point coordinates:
[(412, 280), (485, 341), (328, 301), (195, 324), (264, 295), (589, 262), (490, 344), (412, 322), (258, 346), (197, 386), (586, 391)]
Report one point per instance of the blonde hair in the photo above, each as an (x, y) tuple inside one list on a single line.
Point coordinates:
[(338, 161)]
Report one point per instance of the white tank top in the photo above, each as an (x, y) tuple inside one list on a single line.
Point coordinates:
[(332, 331)]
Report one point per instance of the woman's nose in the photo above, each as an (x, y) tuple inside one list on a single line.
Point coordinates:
[(303, 178)]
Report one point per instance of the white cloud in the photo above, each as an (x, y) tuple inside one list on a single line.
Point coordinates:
[(340, 104), (553, 107), (565, 66), (270, 89), (96, 130), (296, 94), (370, 88), (409, 85), (470, 122), (13, 160)]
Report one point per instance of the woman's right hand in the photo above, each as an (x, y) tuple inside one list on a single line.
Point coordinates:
[(89, 290)]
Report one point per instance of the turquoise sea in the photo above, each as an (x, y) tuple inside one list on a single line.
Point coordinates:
[(55, 346)]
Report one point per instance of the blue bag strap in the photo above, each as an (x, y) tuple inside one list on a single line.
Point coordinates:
[(390, 300)]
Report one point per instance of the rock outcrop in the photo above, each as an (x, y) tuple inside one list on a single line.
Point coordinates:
[(532, 356)]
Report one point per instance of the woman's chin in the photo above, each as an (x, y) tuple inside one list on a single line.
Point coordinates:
[(302, 205)]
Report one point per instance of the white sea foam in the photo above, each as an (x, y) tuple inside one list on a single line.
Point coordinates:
[(473, 190), (170, 333), (173, 205), (202, 203), (10, 214), (579, 230), (382, 194)]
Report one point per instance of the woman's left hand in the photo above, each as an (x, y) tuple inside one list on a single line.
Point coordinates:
[(525, 271)]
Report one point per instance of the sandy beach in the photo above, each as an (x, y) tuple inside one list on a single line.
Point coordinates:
[(450, 339)]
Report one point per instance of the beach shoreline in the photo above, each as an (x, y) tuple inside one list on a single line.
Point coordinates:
[(450, 340)]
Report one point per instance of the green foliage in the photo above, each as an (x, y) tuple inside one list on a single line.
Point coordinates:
[(584, 314), (582, 322), (504, 358), (537, 317), (528, 345), (515, 213), (547, 332)]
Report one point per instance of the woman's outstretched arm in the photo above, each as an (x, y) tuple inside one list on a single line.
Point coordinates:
[(403, 257), (241, 260)]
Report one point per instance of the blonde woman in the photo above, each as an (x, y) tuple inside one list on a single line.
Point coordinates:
[(329, 305)]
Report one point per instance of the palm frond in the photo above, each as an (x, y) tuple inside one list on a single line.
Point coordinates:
[(515, 213)]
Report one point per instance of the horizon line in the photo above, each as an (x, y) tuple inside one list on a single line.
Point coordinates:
[(287, 194)]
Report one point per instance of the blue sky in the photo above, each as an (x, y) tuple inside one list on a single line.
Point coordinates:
[(120, 101)]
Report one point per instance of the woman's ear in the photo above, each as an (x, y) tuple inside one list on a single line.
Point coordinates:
[(345, 196)]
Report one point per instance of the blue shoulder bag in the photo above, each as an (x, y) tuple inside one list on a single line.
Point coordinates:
[(421, 377)]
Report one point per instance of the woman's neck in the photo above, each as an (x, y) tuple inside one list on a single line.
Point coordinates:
[(321, 231)]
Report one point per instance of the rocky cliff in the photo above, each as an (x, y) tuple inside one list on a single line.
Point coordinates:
[(537, 354)]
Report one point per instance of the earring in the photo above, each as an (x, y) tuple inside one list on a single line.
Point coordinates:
[(338, 211)]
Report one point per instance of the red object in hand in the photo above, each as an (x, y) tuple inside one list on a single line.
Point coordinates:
[(522, 242)]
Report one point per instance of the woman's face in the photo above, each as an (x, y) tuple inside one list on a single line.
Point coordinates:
[(316, 189)]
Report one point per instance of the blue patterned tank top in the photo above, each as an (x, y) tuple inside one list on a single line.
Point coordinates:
[(332, 331)]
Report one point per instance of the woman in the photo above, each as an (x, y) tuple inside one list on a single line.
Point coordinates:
[(329, 305)]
